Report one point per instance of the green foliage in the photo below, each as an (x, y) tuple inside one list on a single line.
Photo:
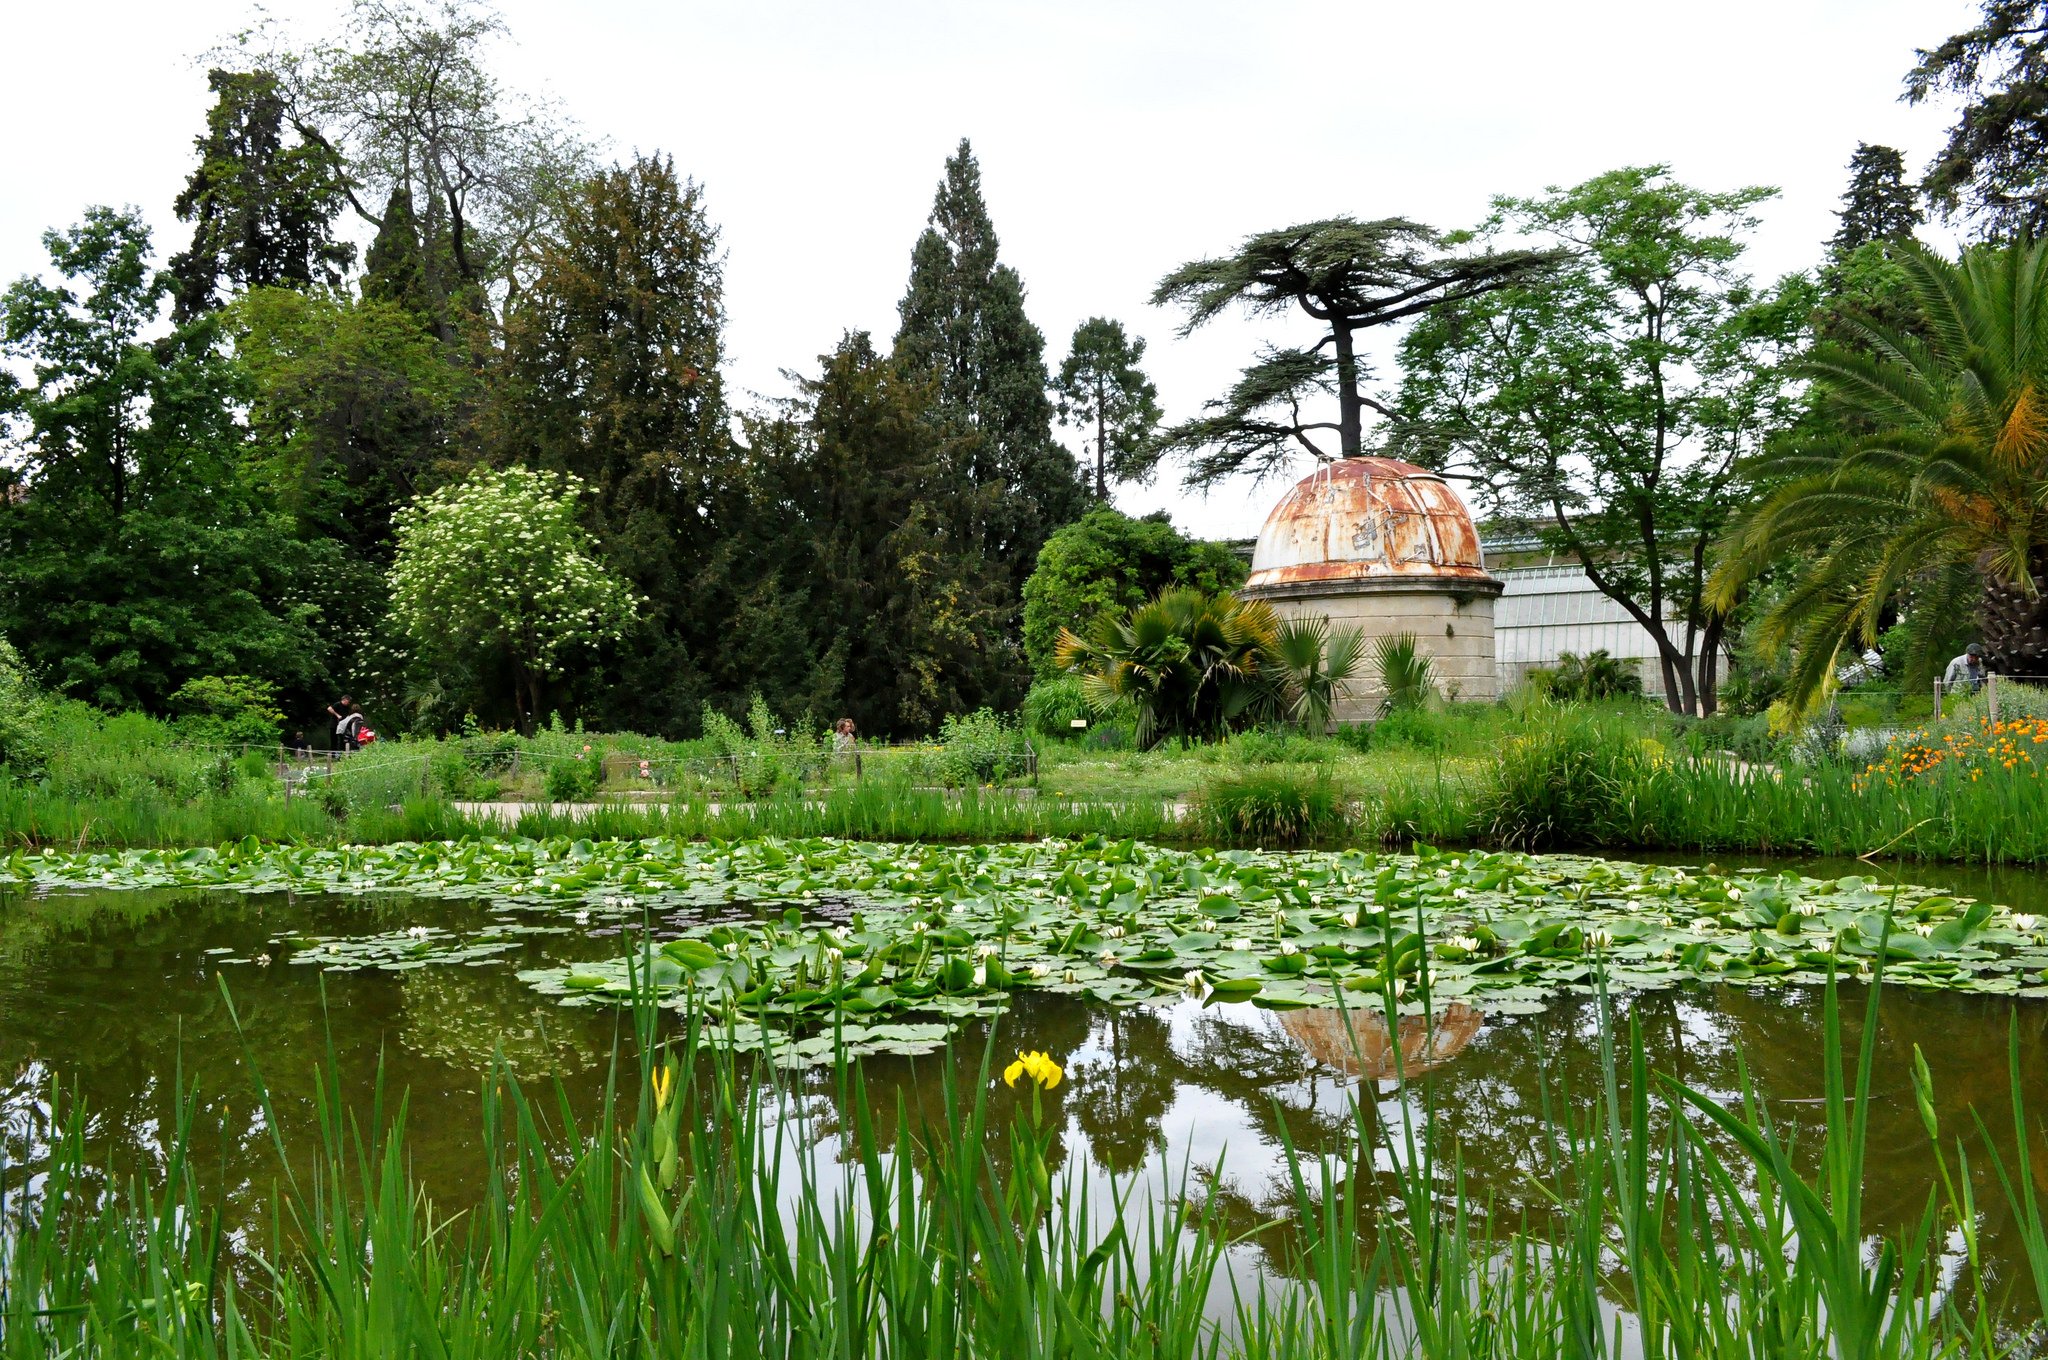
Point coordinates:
[(1568, 781), (1407, 674), (230, 710), (496, 571), (1996, 73), (135, 549), (984, 747), (1927, 468), (1349, 276), (1607, 405), (964, 329), (23, 741), (1274, 807), (1880, 204), (1592, 677), (1107, 560), (1101, 391), (1187, 662), (262, 209), (1052, 706), (765, 756), (1310, 668)]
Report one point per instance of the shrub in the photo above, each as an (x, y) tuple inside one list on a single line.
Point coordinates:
[(981, 748), (1592, 677), (1424, 729), (24, 744), (1566, 782), (575, 779), (1267, 807), (1264, 746), (1051, 707), (763, 756), (227, 710)]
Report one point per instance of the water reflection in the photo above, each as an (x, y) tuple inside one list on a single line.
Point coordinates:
[(111, 997)]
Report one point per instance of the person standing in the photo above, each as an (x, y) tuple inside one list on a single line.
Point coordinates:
[(845, 747), (348, 724), (1965, 674)]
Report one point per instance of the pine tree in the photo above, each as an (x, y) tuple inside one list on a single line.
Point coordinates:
[(262, 205), (1104, 393), (964, 326), (1879, 205), (1994, 168)]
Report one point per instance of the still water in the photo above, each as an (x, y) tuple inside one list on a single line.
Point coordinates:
[(116, 998)]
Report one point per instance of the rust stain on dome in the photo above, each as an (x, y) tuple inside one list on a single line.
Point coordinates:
[(1366, 523)]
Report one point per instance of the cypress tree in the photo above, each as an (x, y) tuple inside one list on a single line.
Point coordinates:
[(964, 328), (1879, 205)]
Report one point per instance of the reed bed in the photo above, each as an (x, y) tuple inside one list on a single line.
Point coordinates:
[(697, 1212)]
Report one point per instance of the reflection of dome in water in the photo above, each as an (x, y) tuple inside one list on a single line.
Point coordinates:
[(1357, 1041), (1386, 547)]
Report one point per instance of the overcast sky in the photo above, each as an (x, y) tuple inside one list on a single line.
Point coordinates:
[(1116, 139)]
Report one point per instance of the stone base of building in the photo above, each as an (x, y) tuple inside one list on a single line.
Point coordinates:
[(1452, 624)]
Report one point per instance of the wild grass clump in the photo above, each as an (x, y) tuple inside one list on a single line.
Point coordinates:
[(1565, 781), (1274, 807)]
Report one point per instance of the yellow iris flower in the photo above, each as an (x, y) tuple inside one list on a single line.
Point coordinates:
[(1044, 1072), (664, 1080)]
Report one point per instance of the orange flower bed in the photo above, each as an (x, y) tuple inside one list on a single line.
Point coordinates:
[(2019, 744)]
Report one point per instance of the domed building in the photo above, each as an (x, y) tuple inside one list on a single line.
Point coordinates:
[(1385, 547)]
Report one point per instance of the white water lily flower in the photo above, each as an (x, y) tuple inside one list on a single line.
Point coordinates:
[(2025, 923), (732, 949), (919, 927), (1468, 943), (1350, 918), (1113, 932), (1806, 909), (1461, 893), (1070, 976), (581, 918), (418, 932), (1242, 945), (1735, 894), (1599, 939), (1288, 947), (1923, 927), (981, 976), (1195, 982), (1038, 970), (1107, 959), (1400, 986), (1706, 923), (1443, 873)]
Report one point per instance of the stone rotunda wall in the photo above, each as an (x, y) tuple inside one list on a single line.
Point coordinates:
[(1386, 547)]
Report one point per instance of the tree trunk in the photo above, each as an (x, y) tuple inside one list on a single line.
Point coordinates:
[(1350, 410), (1101, 443)]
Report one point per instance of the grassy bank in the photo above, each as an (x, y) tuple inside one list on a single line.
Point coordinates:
[(1620, 779), (698, 1212)]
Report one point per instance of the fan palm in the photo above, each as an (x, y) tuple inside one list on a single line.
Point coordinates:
[(1309, 666), (1407, 673), (1932, 477), (1190, 663)]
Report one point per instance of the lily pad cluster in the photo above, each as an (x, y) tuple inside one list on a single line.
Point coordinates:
[(795, 945)]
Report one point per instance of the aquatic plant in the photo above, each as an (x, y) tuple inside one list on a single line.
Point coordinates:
[(810, 947)]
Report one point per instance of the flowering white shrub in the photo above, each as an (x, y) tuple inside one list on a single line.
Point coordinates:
[(496, 566)]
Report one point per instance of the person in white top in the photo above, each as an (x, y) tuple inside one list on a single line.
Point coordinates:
[(1965, 674)]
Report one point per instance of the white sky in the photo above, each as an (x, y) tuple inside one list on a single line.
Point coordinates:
[(1116, 139)]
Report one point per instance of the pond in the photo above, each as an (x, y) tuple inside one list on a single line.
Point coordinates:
[(117, 995)]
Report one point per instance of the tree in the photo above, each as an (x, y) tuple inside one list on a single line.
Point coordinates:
[(1878, 205), (906, 621), (495, 572), (1994, 168), (1347, 276), (964, 328), (1108, 561), (404, 100), (135, 551), (1101, 388), (1189, 662), (1608, 403), (1932, 472), (610, 371), (262, 207)]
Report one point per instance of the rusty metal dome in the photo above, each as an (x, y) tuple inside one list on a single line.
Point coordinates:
[(1362, 524)]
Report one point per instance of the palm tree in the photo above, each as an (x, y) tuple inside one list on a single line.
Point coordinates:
[(1407, 673), (1930, 482), (1190, 663), (1309, 667)]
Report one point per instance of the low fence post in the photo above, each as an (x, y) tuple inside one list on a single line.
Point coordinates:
[(1991, 696), (1937, 701)]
